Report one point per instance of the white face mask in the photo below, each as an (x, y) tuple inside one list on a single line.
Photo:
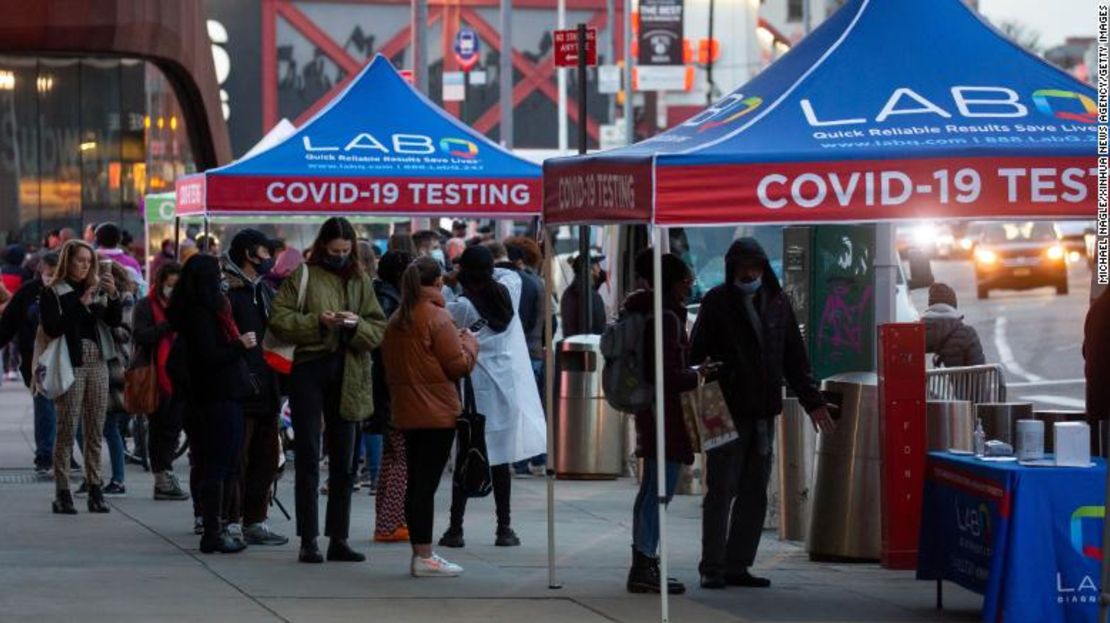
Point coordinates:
[(166, 292), (437, 255)]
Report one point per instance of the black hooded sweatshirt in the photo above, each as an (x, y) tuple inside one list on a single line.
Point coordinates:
[(753, 370)]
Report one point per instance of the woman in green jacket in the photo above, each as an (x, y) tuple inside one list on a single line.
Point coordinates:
[(334, 331)]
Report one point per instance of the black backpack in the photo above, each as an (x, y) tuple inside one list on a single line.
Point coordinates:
[(472, 469)]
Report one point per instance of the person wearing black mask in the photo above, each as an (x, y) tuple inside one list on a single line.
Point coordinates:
[(249, 259), (747, 325), (504, 387), (334, 331), (208, 369), (569, 307)]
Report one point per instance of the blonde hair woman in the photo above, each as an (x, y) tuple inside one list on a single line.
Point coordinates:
[(82, 306)]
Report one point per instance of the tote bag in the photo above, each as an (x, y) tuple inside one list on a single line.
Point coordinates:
[(278, 353), (706, 413), (51, 366), (472, 469)]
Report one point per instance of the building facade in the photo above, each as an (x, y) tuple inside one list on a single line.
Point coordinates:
[(101, 102)]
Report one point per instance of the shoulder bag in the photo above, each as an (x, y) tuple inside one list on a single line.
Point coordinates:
[(278, 353)]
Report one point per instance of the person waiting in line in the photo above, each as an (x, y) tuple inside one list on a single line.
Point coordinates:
[(456, 244), (401, 241), (510, 256), (208, 367), (747, 326), (330, 385), (389, 507), (117, 419), (427, 245), (504, 387), (569, 307), (109, 241), (425, 355), (20, 322), (153, 336), (167, 253), (81, 306), (1096, 363), (368, 446), (678, 377), (952, 342), (248, 260)]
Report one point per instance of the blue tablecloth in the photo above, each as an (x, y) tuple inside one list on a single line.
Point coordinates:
[(1029, 539)]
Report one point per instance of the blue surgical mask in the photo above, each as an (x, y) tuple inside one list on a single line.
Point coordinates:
[(750, 287), (437, 255)]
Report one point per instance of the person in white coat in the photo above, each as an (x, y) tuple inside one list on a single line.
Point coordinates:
[(504, 388)]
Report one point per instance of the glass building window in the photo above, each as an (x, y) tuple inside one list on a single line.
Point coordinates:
[(794, 10), (82, 140)]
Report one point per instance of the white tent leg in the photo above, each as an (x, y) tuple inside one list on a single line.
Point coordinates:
[(660, 411), (549, 404)]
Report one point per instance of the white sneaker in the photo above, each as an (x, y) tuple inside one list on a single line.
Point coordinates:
[(434, 567)]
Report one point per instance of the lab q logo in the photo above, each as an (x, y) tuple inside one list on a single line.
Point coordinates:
[(1052, 102), (1086, 531), (733, 107)]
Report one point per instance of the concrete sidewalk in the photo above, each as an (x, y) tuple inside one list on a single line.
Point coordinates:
[(141, 563)]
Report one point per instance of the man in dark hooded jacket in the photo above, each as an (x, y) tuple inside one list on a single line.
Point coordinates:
[(1096, 355), (247, 261), (747, 325)]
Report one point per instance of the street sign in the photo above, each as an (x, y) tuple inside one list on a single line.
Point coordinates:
[(454, 86), (566, 47), (467, 45), (608, 79), (661, 33), (660, 78)]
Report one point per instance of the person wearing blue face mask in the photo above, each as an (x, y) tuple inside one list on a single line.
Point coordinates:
[(334, 331), (748, 327)]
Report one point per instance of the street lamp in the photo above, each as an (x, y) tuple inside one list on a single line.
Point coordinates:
[(7, 80)]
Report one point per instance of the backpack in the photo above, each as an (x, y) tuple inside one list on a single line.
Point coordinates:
[(625, 377)]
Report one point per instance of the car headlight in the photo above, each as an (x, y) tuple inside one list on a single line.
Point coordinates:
[(986, 256), (1056, 252)]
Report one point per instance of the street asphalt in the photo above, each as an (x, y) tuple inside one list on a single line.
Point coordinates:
[(141, 563)]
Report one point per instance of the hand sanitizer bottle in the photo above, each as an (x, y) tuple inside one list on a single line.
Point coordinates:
[(980, 438)]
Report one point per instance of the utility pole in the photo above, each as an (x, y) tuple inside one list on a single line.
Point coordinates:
[(629, 122), (506, 71), (561, 21), (420, 44)]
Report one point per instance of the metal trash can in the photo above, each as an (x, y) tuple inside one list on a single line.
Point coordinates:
[(949, 424), (1050, 417), (1000, 418), (845, 517), (588, 432), (797, 448)]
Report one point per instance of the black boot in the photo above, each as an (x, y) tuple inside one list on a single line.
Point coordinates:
[(674, 587), (340, 551), (643, 577), (96, 500), (310, 553), (506, 537), (63, 503), (452, 538)]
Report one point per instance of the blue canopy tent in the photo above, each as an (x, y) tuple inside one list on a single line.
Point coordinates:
[(380, 147), (891, 109)]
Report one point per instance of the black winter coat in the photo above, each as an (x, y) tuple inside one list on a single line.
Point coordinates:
[(1096, 353), (20, 321), (568, 308), (952, 342), (248, 307), (678, 377), (753, 370), (206, 364), (63, 316)]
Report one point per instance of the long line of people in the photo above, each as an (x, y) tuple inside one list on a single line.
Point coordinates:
[(378, 353)]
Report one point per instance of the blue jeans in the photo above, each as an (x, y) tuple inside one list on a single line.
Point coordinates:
[(372, 450), (113, 436), (645, 512), (46, 426)]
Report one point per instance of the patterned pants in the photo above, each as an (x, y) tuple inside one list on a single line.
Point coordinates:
[(86, 400), (392, 482)]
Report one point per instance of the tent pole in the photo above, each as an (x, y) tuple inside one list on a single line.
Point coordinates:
[(660, 413), (176, 237), (549, 401)]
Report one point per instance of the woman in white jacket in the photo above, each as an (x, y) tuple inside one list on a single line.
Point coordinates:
[(504, 388)]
